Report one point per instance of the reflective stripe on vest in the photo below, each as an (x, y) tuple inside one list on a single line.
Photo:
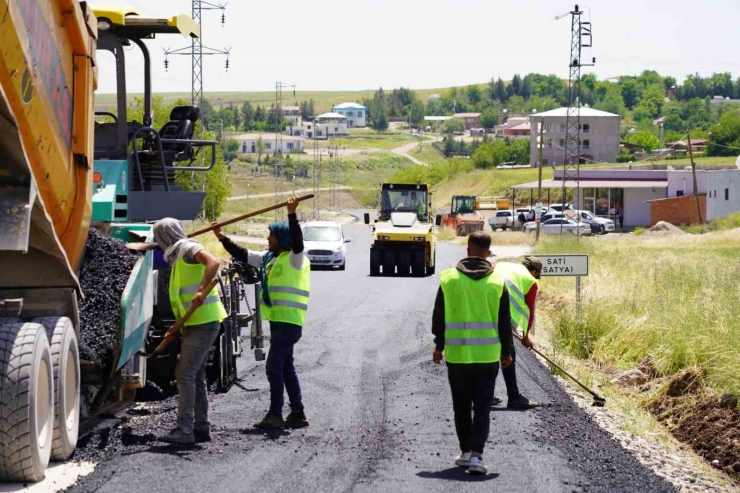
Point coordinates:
[(185, 280), (289, 290), (518, 281), (471, 317)]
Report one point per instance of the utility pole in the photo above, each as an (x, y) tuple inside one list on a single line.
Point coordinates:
[(580, 37), (693, 172), (539, 177), (278, 156)]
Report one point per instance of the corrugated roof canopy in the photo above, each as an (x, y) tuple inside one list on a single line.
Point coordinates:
[(597, 184)]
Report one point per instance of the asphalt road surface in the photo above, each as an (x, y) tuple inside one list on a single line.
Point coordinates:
[(380, 412)]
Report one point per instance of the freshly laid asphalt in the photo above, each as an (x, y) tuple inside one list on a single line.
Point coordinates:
[(380, 412)]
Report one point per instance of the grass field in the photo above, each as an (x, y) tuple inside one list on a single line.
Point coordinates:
[(323, 100), (427, 155), (667, 296), (488, 182)]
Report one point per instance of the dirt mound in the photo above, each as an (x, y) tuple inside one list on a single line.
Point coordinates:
[(663, 228), (709, 424)]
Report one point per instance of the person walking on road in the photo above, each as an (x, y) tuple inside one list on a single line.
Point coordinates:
[(285, 274), (193, 268), (471, 324), (521, 282)]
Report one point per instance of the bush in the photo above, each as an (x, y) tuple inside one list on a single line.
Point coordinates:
[(626, 158), (639, 231)]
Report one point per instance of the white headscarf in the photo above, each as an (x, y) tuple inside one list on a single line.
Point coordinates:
[(170, 237)]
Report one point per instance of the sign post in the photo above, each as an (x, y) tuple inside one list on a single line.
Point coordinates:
[(566, 265)]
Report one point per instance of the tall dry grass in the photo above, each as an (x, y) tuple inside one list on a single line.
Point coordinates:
[(674, 297)]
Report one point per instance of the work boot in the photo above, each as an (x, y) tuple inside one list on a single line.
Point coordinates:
[(177, 436), (463, 460), (270, 422), (521, 402), (296, 420), (477, 466), (203, 435)]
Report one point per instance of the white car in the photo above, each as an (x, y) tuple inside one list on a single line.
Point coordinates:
[(598, 224), (501, 219), (559, 226), (325, 244)]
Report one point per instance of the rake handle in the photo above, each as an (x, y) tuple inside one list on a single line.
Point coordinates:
[(172, 331)]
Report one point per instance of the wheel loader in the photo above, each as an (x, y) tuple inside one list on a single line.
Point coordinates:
[(463, 216), (403, 234), (60, 173)]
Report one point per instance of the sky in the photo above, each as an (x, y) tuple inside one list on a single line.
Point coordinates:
[(345, 45)]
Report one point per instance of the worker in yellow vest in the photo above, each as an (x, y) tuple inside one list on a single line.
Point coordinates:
[(285, 273), (472, 327), (521, 281), (419, 205), (193, 268)]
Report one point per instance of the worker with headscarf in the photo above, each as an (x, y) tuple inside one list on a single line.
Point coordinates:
[(193, 268), (285, 273)]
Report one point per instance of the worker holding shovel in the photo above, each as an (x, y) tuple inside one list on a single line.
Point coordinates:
[(521, 282), (285, 274), (193, 299)]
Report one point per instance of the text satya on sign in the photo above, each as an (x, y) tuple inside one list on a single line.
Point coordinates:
[(564, 265)]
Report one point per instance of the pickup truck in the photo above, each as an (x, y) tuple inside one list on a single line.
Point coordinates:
[(501, 219)]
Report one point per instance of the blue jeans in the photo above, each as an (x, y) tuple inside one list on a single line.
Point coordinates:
[(191, 376), (279, 367)]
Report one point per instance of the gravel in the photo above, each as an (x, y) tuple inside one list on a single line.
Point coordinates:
[(106, 267)]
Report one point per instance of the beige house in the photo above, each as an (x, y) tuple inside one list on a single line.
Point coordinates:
[(249, 143)]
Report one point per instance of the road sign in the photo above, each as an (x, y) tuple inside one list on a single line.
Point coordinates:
[(538, 210), (564, 265)]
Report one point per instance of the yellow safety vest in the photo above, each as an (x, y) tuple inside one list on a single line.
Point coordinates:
[(518, 281), (185, 280), (289, 289), (471, 317), (420, 206)]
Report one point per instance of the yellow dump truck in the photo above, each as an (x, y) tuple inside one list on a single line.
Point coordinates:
[(60, 173), (492, 203)]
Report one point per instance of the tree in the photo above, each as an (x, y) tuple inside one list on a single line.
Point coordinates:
[(520, 151), (453, 125), (516, 85), (669, 82), (630, 91), (232, 148), (539, 103), (416, 113), (261, 147), (206, 113), (259, 114), (724, 139), (491, 154), (489, 118), (651, 103), (474, 94), (526, 89), (449, 145), (247, 114), (613, 102), (644, 139), (237, 118), (500, 90)]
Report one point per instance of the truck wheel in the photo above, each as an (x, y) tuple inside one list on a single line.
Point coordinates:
[(404, 262), (374, 262), (26, 402), (65, 358), (430, 270), (503, 228), (417, 263), (389, 263)]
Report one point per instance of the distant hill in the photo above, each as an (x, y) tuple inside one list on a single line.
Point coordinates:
[(323, 100)]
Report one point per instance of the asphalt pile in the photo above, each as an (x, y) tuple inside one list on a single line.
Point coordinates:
[(106, 267)]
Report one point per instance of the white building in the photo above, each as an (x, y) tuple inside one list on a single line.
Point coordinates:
[(599, 136), (356, 113), (249, 143), (293, 114), (321, 128)]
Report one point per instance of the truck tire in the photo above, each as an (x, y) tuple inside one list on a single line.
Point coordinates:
[(417, 263), (65, 358), (503, 228), (404, 262), (26, 402), (389, 263), (374, 262), (430, 270)]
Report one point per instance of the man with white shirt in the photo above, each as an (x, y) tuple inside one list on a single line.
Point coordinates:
[(285, 273)]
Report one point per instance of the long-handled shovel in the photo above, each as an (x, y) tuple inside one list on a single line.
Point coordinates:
[(172, 332), (598, 400), (154, 246)]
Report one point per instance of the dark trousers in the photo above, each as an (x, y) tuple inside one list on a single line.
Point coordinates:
[(512, 389), (472, 393), (279, 367)]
